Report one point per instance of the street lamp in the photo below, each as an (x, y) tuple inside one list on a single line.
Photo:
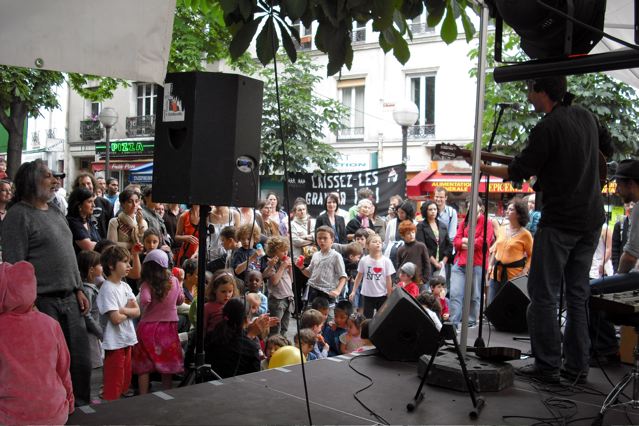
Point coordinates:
[(405, 114), (108, 118)]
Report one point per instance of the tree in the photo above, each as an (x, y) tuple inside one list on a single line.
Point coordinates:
[(335, 20), (612, 101), (305, 118)]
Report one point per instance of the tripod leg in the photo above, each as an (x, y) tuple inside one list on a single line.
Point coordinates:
[(419, 396), (478, 403)]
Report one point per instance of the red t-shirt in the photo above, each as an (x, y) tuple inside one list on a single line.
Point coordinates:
[(411, 288)]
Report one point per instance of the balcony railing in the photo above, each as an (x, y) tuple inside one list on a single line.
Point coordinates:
[(421, 132), (421, 28), (358, 35), (35, 139), (351, 133), (143, 125), (91, 130)]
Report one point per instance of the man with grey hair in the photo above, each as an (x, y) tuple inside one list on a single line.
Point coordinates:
[(40, 235)]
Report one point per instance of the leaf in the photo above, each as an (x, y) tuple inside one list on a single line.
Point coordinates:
[(246, 9), (242, 40), (287, 42), (228, 6), (469, 28), (449, 29), (401, 51), (296, 8), (382, 13), (267, 42), (384, 44), (436, 10)]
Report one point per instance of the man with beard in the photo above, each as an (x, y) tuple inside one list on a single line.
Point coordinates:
[(627, 177), (103, 210), (36, 231)]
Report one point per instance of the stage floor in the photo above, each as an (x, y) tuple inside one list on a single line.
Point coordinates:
[(277, 396)]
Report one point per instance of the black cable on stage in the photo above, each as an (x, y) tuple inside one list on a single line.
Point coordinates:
[(286, 203), (372, 382)]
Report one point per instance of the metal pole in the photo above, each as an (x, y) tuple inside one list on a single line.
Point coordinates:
[(472, 210), (107, 152), (404, 144)]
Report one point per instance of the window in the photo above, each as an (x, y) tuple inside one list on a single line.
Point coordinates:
[(93, 108), (419, 25), (306, 36), (359, 32), (351, 94), (422, 92), (146, 97)]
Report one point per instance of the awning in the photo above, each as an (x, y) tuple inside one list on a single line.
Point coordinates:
[(143, 169), (426, 181), (118, 165), (142, 174)]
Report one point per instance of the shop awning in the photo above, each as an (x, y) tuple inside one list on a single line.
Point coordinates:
[(426, 181), (142, 174), (118, 165)]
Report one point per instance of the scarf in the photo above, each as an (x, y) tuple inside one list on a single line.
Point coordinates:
[(127, 227), (364, 222)]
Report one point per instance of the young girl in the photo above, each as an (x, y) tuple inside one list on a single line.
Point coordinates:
[(158, 347), (245, 257), (374, 273), (90, 268), (407, 279), (352, 340), (279, 274), (229, 348), (221, 290), (438, 289), (117, 302)]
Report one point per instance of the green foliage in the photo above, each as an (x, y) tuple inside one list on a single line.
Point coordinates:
[(612, 101), (31, 87), (305, 118), (335, 20)]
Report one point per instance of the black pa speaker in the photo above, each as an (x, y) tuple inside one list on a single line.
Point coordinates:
[(207, 139), (402, 330), (507, 312)]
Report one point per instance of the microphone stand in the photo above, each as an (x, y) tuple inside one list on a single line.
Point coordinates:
[(479, 341)]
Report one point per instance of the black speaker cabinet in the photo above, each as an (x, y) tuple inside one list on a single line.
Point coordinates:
[(402, 330), (507, 312), (207, 139)]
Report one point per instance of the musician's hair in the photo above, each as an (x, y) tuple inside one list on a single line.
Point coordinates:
[(555, 87)]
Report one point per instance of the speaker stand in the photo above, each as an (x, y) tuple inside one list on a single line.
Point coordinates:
[(447, 332), (200, 372)]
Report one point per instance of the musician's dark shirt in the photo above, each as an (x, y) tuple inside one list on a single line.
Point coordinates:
[(562, 151)]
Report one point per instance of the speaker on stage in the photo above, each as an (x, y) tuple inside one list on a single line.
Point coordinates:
[(507, 312), (402, 330), (207, 139)]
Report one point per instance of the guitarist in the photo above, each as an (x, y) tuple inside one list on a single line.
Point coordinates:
[(562, 151)]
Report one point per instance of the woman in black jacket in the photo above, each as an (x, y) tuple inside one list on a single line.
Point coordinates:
[(435, 236), (332, 219)]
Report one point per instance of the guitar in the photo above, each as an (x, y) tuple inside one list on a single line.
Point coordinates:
[(446, 151)]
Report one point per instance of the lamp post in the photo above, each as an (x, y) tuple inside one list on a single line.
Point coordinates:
[(108, 118), (405, 114)]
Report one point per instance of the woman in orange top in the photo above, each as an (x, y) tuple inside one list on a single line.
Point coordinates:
[(513, 249), (187, 234)]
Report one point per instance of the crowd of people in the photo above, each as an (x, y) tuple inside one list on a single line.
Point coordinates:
[(118, 273)]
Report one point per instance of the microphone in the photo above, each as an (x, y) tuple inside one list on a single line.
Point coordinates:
[(513, 105)]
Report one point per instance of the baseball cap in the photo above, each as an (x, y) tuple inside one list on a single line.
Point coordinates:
[(408, 268), (158, 256)]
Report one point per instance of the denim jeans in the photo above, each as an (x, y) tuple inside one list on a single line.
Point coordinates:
[(558, 254), (457, 287), (280, 308)]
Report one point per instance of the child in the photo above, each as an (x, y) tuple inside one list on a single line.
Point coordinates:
[(90, 268), (360, 238), (438, 289), (221, 290), (228, 241), (34, 367), (352, 340), (255, 284), (229, 348), (407, 279), (313, 320), (273, 343), (326, 272), (117, 302), (374, 273), (245, 257), (278, 271), (158, 349), (332, 331), (352, 253), (432, 306), (413, 251), (307, 340), (321, 304)]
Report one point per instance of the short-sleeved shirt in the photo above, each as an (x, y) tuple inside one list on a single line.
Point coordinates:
[(112, 297), (632, 246), (326, 270), (154, 310), (374, 273), (80, 233)]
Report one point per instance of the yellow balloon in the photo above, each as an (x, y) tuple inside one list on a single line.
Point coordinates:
[(286, 355)]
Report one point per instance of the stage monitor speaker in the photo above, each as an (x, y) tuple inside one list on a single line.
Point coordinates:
[(402, 330), (207, 139), (507, 312)]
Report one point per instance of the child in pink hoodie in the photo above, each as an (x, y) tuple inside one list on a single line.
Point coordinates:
[(35, 384)]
